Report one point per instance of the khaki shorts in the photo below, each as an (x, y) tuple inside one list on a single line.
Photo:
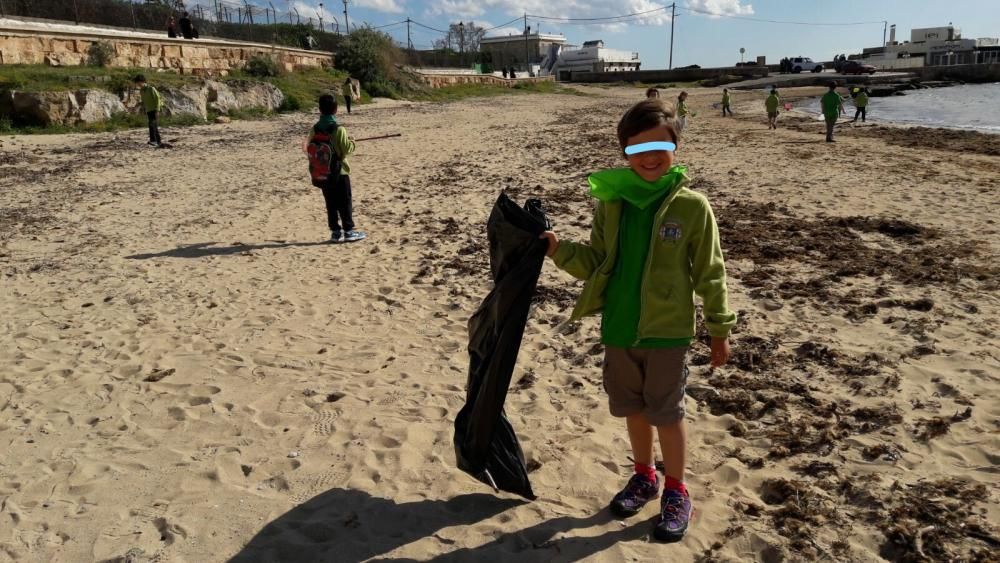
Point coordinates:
[(645, 381)]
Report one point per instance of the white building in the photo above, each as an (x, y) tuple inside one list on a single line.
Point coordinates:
[(592, 57), (932, 46)]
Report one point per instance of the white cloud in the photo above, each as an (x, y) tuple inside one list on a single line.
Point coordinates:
[(558, 9), (387, 6), (716, 8)]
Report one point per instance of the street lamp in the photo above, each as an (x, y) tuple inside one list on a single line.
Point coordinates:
[(461, 43), (321, 17)]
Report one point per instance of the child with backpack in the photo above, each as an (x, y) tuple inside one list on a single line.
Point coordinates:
[(654, 245), (328, 147)]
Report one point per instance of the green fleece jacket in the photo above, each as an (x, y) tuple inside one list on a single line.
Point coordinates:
[(151, 99), (684, 259), (341, 142)]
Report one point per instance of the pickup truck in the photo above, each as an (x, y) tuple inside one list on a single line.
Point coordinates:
[(800, 64)]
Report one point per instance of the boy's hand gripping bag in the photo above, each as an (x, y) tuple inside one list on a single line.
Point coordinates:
[(485, 444)]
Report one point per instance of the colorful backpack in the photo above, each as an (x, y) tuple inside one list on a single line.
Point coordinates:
[(324, 164)]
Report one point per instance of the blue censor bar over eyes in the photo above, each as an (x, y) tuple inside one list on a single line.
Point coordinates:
[(647, 147)]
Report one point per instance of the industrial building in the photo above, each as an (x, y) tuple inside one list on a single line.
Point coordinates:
[(932, 46), (520, 50)]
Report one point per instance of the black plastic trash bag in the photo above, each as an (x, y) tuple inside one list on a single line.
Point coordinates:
[(485, 444)]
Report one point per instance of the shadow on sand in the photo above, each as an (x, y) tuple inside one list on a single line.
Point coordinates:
[(346, 526), (202, 249)]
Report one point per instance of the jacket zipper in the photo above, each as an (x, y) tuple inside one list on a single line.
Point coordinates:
[(649, 262)]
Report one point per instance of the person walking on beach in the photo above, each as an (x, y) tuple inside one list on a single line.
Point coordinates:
[(652, 93), (682, 111), (861, 105), (654, 245), (186, 27), (152, 102), (833, 108), (771, 104), (727, 101), (328, 147), (350, 92)]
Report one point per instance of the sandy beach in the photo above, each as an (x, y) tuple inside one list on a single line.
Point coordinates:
[(190, 373)]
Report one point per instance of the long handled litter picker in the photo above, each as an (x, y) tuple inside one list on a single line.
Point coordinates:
[(379, 137)]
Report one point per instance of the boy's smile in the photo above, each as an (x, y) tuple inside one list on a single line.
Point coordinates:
[(651, 165)]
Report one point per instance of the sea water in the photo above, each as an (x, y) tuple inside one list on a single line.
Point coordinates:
[(970, 106)]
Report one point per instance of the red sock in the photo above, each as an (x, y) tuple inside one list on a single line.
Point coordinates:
[(648, 471), (671, 484)]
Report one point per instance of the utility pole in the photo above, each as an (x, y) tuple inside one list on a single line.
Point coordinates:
[(409, 43), (885, 24), (347, 23), (461, 43), (527, 61), (673, 14), (320, 14)]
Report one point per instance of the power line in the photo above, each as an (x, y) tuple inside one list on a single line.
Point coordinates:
[(601, 19), (428, 27), (762, 20), (389, 24), (515, 20)]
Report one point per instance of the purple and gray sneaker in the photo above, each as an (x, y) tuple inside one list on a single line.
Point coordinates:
[(675, 513), (630, 500)]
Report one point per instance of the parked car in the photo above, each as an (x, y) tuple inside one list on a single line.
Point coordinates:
[(800, 64), (856, 67)]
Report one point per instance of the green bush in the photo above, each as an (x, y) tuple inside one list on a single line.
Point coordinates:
[(100, 54), (262, 67), (6, 125), (383, 89), (371, 56), (290, 103)]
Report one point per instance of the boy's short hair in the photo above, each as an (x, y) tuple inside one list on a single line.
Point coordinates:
[(652, 92), (327, 104), (139, 78), (832, 85), (645, 115)]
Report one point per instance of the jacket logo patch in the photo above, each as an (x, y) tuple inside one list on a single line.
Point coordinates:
[(670, 231)]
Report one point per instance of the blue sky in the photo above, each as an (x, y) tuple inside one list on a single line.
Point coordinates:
[(699, 38)]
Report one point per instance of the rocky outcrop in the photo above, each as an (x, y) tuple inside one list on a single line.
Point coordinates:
[(91, 105), (242, 94), (96, 105)]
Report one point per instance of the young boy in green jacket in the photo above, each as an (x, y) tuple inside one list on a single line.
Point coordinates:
[(861, 103), (337, 188), (152, 103), (727, 101), (771, 104), (654, 244)]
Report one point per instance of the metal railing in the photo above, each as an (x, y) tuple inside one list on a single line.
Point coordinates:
[(224, 19)]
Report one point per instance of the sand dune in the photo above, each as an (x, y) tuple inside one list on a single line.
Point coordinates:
[(189, 373)]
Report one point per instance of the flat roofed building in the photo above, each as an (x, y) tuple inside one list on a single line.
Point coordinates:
[(513, 50)]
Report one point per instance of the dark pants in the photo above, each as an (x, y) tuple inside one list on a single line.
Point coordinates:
[(830, 122), (154, 129), (862, 112), (726, 108), (338, 203), (347, 102)]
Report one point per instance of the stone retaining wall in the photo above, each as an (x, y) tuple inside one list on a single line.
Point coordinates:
[(200, 57), (442, 80), (676, 75)]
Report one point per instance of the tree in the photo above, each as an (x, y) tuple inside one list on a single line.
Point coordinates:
[(462, 37)]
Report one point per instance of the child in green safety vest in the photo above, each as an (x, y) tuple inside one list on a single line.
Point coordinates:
[(152, 103), (833, 108), (771, 103), (654, 245), (727, 101), (682, 111), (861, 105)]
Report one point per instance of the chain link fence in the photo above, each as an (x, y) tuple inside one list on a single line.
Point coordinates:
[(222, 19)]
